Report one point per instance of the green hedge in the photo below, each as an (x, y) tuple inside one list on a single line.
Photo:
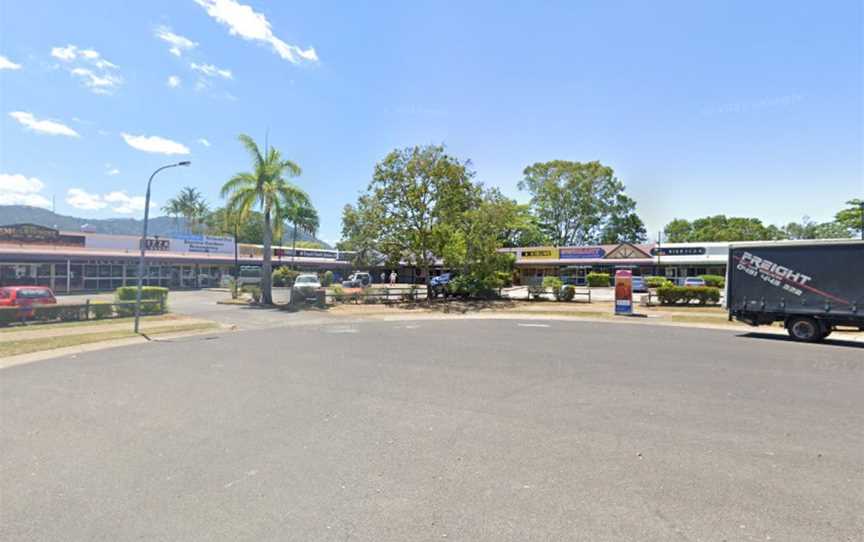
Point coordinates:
[(327, 278), (678, 295), (283, 276), (156, 296), (717, 281), (657, 282), (95, 310), (598, 280)]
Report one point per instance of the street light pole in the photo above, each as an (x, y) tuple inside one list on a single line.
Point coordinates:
[(144, 241)]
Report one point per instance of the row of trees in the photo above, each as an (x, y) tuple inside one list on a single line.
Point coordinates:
[(423, 204), (847, 223)]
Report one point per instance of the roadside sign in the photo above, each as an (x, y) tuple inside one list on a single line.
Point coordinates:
[(623, 292)]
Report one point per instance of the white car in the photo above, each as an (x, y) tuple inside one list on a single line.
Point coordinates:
[(305, 288), (308, 280)]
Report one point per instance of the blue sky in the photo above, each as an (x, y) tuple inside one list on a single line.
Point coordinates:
[(741, 108)]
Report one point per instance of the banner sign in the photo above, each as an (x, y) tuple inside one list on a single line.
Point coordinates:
[(305, 253), (202, 244), (539, 253), (678, 251), (581, 253)]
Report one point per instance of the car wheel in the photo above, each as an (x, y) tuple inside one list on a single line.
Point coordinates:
[(805, 329)]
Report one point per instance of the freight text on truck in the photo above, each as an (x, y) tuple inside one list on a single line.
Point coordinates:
[(812, 287)]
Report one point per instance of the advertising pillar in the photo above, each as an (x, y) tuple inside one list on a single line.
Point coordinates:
[(623, 292)]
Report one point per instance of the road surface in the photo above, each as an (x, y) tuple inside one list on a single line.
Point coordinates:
[(438, 430)]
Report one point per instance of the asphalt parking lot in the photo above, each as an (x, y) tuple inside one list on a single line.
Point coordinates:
[(431, 430)]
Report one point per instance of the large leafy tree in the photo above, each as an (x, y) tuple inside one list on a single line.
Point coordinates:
[(248, 229), (415, 195), (580, 203), (851, 217), (522, 228), (720, 228), (266, 188)]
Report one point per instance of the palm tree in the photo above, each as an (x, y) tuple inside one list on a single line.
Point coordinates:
[(304, 217), (266, 188), (190, 204)]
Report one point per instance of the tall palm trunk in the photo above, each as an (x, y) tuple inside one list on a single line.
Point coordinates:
[(266, 267), (293, 246)]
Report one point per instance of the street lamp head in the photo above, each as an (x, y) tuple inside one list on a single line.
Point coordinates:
[(184, 163)]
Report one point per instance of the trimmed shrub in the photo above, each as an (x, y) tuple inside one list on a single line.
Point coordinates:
[(327, 278), (678, 295), (598, 280), (254, 292), (657, 282), (555, 284), (474, 286), (282, 276), (337, 292), (716, 281), (567, 292), (154, 300), (103, 309)]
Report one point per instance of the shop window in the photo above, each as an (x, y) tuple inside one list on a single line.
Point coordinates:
[(91, 271), (91, 284), (43, 270), (59, 269)]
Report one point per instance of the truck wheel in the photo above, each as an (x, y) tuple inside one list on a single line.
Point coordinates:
[(806, 329)]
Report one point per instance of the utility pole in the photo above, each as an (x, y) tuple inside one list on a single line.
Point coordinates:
[(861, 205)]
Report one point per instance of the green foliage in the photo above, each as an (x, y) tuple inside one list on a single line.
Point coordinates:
[(265, 187), (807, 229), (677, 295), (338, 292), (581, 203), (475, 286), (598, 280), (850, 218), (554, 284), (253, 290), (154, 300), (716, 281), (327, 279), (720, 228), (8, 315), (284, 276), (657, 282), (568, 292), (189, 204), (101, 309)]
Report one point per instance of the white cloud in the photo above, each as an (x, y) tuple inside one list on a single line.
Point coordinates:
[(81, 199), (204, 142), (16, 189), (211, 71), (123, 203), (111, 170), (178, 43), (154, 144), (173, 81), (119, 201), (49, 127), (82, 63), (6, 64), (245, 22)]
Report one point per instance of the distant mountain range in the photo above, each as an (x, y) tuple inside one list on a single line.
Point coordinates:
[(160, 225)]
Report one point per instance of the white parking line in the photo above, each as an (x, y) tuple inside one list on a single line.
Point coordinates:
[(341, 330), (533, 325)]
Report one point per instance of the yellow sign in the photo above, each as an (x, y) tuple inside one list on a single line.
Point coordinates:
[(539, 253)]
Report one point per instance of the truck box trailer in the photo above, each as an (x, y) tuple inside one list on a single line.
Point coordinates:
[(812, 287)]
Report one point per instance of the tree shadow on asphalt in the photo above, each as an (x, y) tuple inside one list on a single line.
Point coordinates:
[(457, 306), (785, 338)]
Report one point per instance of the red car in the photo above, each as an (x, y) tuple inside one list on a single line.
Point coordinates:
[(25, 297)]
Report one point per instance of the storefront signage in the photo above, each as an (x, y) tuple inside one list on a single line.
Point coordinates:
[(540, 253), (305, 253), (157, 244), (202, 244), (623, 292), (38, 235), (581, 253), (678, 251)]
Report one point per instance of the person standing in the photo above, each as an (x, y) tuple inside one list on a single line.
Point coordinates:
[(393, 277), (383, 277)]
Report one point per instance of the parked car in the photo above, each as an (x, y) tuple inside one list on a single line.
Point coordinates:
[(359, 279), (692, 282), (26, 297), (439, 284), (305, 286), (639, 285)]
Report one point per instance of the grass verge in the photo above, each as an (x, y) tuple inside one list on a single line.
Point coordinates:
[(26, 346), (63, 325)]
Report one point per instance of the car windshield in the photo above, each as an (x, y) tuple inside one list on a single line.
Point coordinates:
[(306, 279), (34, 293)]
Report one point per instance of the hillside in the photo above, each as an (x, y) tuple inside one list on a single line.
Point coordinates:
[(160, 225)]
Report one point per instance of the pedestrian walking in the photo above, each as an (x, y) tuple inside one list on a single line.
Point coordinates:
[(393, 277)]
